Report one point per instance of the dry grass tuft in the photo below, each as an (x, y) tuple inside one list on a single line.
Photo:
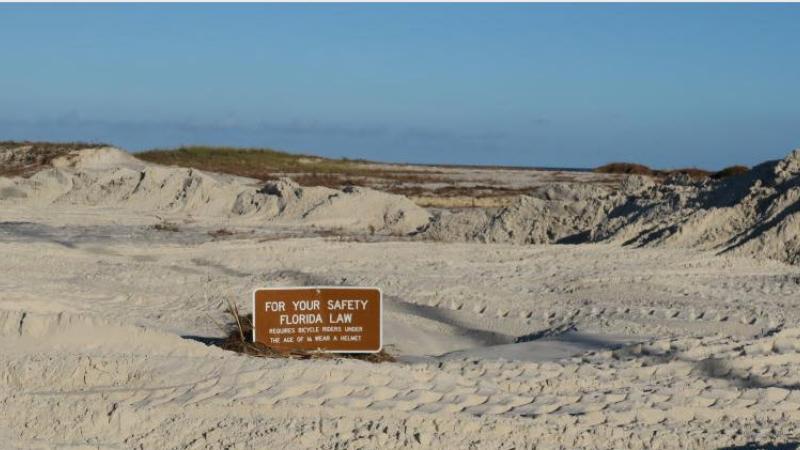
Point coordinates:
[(220, 233), (24, 158), (329, 180), (240, 329), (166, 226)]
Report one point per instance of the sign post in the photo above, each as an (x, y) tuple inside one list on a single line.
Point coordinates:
[(326, 319)]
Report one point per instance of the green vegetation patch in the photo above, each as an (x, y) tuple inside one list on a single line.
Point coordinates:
[(263, 164)]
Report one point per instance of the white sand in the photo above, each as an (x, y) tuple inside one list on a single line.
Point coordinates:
[(104, 321)]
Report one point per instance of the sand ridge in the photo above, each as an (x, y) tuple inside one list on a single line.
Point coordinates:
[(755, 213)]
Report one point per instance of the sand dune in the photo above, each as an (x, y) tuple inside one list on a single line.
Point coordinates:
[(672, 324), (108, 177), (757, 214)]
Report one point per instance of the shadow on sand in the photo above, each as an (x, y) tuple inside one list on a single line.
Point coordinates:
[(754, 446)]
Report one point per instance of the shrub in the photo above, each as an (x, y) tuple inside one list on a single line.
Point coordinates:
[(730, 171), (625, 168)]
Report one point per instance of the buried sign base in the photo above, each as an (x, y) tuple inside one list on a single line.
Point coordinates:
[(326, 319)]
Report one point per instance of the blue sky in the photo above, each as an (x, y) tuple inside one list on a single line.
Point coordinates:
[(570, 85)]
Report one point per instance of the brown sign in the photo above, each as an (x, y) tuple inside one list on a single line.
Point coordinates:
[(329, 319)]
